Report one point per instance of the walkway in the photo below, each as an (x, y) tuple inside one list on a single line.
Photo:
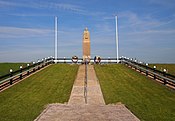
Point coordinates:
[(94, 110), (94, 94)]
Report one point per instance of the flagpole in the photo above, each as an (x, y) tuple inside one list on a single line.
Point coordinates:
[(56, 39), (117, 53)]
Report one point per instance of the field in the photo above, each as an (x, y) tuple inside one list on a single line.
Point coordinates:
[(169, 67), (147, 99), (27, 99), (5, 67)]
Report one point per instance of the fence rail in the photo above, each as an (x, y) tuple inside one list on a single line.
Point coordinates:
[(151, 69), (162, 77), (13, 77)]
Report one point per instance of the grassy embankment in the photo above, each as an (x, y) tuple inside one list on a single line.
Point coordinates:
[(5, 67), (27, 99), (147, 99), (169, 67)]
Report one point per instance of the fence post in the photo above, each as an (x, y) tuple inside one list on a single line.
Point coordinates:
[(20, 72), (34, 67), (140, 70), (28, 69), (42, 62), (146, 69), (46, 62), (164, 74), (11, 74), (154, 72), (64, 59), (38, 64), (109, 60)]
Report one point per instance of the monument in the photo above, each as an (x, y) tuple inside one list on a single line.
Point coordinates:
[(86, 45)]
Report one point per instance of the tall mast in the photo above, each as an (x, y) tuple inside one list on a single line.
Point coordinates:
[(56, 39), (117, 53)]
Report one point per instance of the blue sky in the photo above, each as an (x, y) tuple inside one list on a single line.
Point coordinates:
[(146, 28)]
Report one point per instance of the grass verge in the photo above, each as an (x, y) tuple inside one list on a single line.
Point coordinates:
[(147, 99), (26, 100)]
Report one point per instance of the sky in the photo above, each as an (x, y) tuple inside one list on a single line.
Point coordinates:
[(146, 29)]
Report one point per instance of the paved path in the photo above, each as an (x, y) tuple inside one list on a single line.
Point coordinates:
[(94, 94), (78, 110), (63, 112)]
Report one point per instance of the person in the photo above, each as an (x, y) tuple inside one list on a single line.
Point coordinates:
[(95, 59)]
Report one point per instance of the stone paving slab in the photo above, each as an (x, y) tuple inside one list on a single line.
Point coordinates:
[(62, 112), (77, 90), (77, 94), (94, 90), (94, 94)]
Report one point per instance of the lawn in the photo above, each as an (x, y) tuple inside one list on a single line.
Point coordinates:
[(147, 99), (27, 99), (5, 67), (169, 67)]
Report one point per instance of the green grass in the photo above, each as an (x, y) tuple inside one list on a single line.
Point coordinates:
[(26, 100), (169, 67), (147, 99), (5, 67)]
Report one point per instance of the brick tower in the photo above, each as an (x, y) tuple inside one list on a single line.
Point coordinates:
[(86, 45)]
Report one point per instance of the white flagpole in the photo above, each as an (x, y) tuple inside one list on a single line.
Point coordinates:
[(56, 39), (117, 53)]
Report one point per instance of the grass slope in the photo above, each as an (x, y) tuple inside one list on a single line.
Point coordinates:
[(170, 67), (26, 100), (5, 67), (147, 99)]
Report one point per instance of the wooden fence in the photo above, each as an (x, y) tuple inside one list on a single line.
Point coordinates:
[(163, 77), (14, 77)]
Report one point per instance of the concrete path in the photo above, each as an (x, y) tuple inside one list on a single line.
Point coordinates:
[(95, 108), (94, 94), (63, 112)]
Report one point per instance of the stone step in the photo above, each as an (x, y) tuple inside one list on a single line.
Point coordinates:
[(63, 112)]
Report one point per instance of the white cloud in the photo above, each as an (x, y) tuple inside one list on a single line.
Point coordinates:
[(43, 5), (49, 5), (6, 3), (144, 36), (153, 32), (68, 7), (140, 23), (17, 32), (23, 55), (163, 3), (57, 6)]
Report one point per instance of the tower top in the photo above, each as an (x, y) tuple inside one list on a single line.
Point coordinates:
[(86, 45), (86, 29)]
